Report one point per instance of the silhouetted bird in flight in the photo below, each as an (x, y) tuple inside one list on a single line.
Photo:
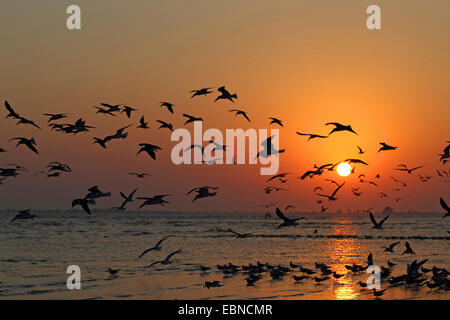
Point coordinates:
[(203, 192), (104, 111), (239, 235), (128, 110), (24, 215), (11, 112), (268, 149), (156, 247), (100, 142), (280, 175), (340, 127), (403, 167), (30, 143), (95, 193), (155, 200), (128, 198), (166, 260), (55, 116), (165, 125), (360, 151), (445, 207), (168, 105), (276, 121), (311, 135), (391, 247), (201, 92), (286, 221), (149, 148), (225, 94), (408, 249), (331, 197), (83, 203), (386, 147), (139, 175), (143, 124), (191, 118), (26, 121), (113, 271), (240, 112)]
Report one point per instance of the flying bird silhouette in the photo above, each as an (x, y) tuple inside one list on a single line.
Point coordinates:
[(340, 127), (377, 225), (311, 135), (286, 221), (386, 147), (149, 148), (156, 247), (225, 95), (168, 105), (240, 112), (29, 143)]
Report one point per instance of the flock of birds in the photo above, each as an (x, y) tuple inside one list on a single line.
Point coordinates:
[(415, 273)]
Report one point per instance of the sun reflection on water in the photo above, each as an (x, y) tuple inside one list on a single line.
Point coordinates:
[(342, 252)]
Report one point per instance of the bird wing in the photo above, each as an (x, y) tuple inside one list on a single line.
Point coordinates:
[(172, 254), (372, 218), (161, 241), (85, 207), (337, 189), (444, 205), (384, 219), (143, 253), (281, 215), (10, 110)]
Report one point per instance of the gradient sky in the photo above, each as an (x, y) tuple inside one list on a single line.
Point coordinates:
[(305, 62)]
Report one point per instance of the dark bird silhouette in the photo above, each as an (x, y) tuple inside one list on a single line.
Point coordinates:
[(166, 260), (24, 215), (83, 203), (55, 116), (280, 175), (26, 121), (391, 247), (191, 118), (100, 142), (155, 200), (201, 92), (113, 272), (95, 193), (139, 175), (408, 249), (225, 95), (149, 148), (168, 105), (156, 247), (445, 207), (360, 151), (268, 149), (30, 143), (340, 127), (377, 225), (239, 235), (386, 147), (311, 135), (128, 198), (165, 125), (203, 192), (104, 111), (403, 167), (240, 112), (11, 112), (128, 110), (143, 124), (276, 121), (332, 196), (286, 221)]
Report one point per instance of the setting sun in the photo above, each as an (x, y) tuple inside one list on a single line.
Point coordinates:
[(344, 169)]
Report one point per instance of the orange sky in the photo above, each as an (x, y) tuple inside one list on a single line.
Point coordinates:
[(300, 61)]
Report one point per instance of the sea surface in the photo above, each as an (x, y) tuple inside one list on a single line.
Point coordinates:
[(34, 254)]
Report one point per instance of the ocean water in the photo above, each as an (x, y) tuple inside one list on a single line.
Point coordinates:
[(34, 254)]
